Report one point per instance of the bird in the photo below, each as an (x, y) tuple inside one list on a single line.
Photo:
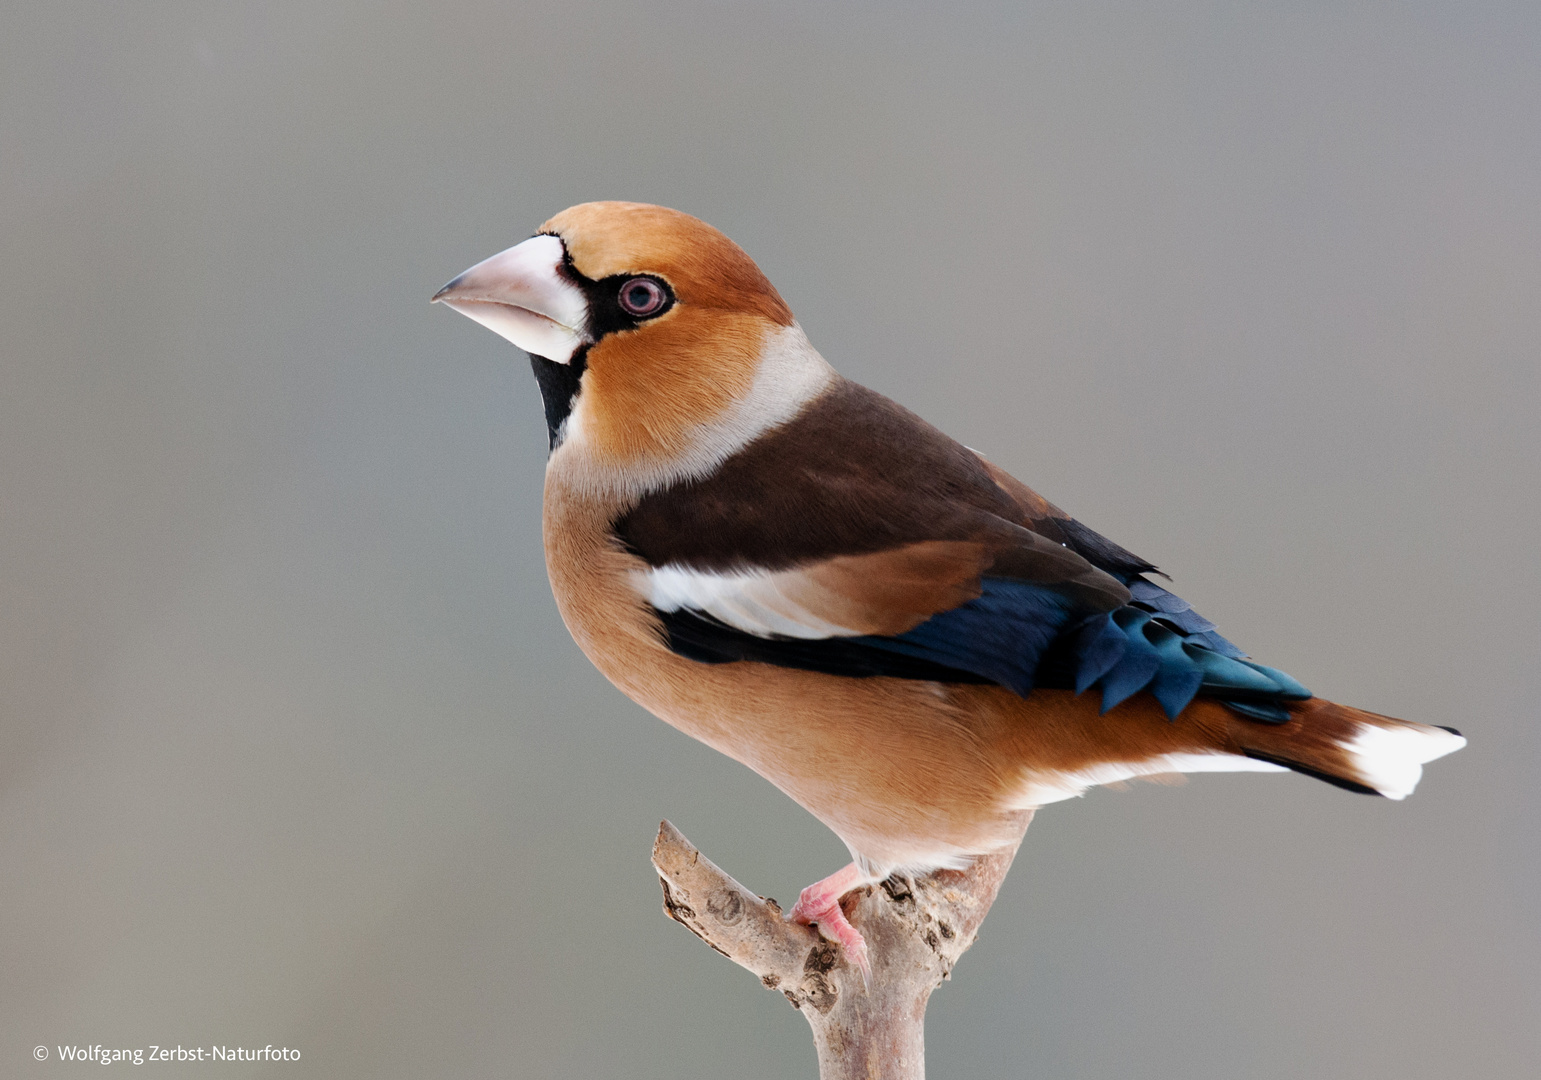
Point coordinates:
[(908, 641)]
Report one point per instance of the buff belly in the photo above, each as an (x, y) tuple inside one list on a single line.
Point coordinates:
[(909, 774)]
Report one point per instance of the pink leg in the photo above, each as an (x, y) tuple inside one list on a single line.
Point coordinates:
[(820, 903)]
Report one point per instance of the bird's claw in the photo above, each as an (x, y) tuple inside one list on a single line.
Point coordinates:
[(817, 906)]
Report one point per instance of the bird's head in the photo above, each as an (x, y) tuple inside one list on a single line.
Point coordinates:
[(646, 327)]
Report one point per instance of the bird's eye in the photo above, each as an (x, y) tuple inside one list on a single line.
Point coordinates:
[(642, 296)]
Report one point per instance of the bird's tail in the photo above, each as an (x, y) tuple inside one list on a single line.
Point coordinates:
[(1358, 750)]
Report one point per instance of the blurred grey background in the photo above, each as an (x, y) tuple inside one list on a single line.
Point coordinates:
[(294, 748)]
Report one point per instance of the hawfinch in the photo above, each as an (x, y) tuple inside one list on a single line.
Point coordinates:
[(912, 644)]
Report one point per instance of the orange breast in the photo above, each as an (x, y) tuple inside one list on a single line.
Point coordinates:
[(907, 773)]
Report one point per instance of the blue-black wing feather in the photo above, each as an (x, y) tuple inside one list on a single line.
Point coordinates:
[(1023, 636)]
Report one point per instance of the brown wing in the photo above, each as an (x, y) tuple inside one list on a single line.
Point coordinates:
[(865, 514)]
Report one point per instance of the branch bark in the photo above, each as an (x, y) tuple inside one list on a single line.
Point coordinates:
[(915, 929)]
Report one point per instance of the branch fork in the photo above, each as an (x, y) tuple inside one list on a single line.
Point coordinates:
[(916, 929)]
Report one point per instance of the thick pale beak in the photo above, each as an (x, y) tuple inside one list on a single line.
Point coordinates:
[(520, 294)]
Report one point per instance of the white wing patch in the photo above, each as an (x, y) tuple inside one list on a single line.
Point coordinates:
[(758, 602)]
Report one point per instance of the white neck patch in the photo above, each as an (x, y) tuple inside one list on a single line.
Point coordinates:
[(790, 374)]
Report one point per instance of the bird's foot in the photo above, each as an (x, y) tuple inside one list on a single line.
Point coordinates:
[(820, 903)]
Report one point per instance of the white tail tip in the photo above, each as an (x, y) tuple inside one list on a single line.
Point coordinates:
[(1390, 759)]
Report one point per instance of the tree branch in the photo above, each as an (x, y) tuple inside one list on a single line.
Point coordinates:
[(915, 930)]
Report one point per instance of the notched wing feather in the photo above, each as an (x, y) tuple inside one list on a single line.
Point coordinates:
[(858, 540)]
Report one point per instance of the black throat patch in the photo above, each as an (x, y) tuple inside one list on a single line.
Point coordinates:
[(559, 385)]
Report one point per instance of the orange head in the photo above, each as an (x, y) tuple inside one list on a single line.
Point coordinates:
[(644, 324)]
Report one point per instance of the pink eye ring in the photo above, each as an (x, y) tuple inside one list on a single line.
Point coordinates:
[(640, 297)]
